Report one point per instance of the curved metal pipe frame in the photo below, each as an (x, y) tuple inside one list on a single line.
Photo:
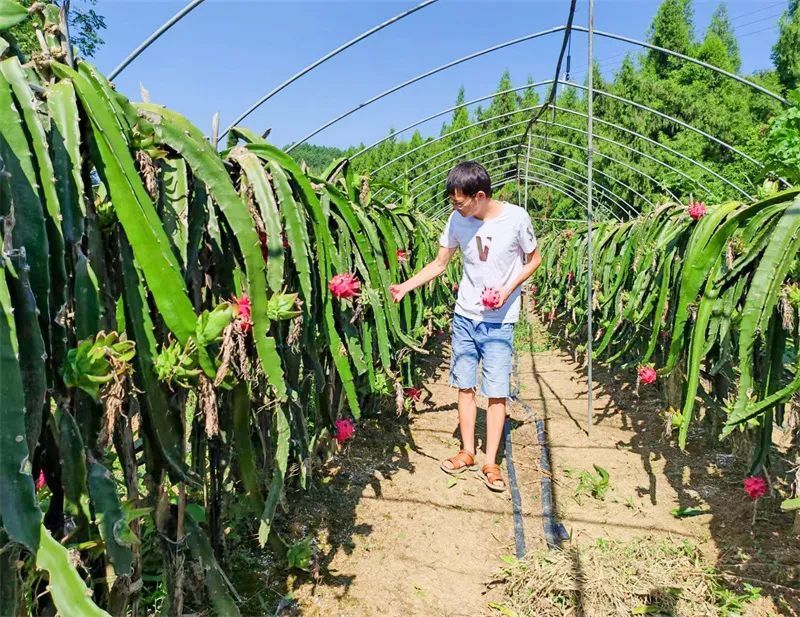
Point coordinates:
[(566, 174), (569, 174), (605, 122), (716, 69), (421, 76), (660, 145), (415, 183), (660, 114), (538, 84), (546, 173), (322, 60), (154, 37), (657, 183), (529, 37), (427, 184), (546, 122), (547, 181)]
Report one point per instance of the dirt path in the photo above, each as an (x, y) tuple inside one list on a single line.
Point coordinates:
[(398, 538), (405, 539)]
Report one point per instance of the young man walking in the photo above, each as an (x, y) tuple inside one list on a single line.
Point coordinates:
[(499, 252)]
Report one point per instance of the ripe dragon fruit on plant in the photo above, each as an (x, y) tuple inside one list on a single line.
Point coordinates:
[(647, 375), (344, 286), (402, 256), (345, 429), (755, 487), (697, 210), (413, 394), (490, 297), (242, 312)]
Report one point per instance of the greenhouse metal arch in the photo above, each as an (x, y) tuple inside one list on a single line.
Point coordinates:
[(590, 91)]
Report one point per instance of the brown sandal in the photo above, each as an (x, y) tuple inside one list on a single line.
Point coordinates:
[(491, 476), (460, 463)]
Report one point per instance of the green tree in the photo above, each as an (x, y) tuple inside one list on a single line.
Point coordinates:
[(786, 53), (84, 25), (721, 26), (672, 28)]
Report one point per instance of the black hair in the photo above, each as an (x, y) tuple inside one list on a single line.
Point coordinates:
[(469, 177)]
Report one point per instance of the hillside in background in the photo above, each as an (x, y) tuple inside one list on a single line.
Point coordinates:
[(316, 157)]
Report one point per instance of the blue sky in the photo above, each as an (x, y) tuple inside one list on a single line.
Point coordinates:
[(226, 54)]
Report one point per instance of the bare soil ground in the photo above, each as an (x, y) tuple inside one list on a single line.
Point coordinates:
[(398, 537)]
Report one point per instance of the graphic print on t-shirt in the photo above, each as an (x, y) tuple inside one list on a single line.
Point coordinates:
[(483, 251)]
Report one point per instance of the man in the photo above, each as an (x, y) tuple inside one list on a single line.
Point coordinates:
[(499, 252)]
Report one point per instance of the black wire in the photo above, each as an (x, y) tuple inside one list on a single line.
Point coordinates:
[(551, 96)]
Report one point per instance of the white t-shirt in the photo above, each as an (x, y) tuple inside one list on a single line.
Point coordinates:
[(493, 254)]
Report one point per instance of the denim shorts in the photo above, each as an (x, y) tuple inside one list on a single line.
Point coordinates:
[(492, 345)]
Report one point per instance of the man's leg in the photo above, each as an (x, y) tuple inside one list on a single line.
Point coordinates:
[(496, 345), (467, 411), (495, 418), (464, 376)]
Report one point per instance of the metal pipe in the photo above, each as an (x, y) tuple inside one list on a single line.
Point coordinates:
[(322, 60), (531, 37), (422, 76), (572, 145), (554, 185), (551, 97), (153, 37), (544, 171), (661, 114), (716, 69), (527, 161), (415, 183), (513, 124), (435, 213), (537, 84), (618, 127), (564, 126), (589, 191), (547, 173), (664, 146), (628, 208)]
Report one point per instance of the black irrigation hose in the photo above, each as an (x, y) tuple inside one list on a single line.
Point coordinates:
[(554, 532), (516, 499)]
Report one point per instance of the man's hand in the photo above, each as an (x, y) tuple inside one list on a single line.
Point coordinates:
[(398, 291), (504, 294)]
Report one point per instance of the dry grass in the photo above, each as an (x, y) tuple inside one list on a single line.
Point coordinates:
[(641, 577)]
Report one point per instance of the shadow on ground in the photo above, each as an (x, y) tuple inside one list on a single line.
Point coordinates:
[(707, 476)]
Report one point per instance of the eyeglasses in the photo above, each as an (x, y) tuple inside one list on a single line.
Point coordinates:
[(459, 205)]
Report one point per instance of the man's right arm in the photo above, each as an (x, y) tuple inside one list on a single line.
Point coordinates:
[(428, 273)]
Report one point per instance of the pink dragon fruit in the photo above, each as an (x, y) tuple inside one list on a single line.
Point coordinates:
[(647, 375), (490, 297), (697, 210), (755, 487), (242, 310), (570, 278), (402, 256), (345, 429), (413, 393), (40, 481), (344, 286)]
